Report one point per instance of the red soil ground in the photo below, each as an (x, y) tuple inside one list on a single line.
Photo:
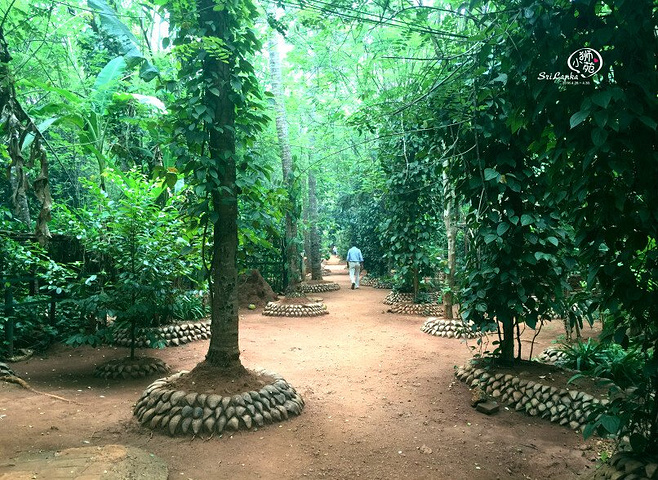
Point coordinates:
[(381, 403)]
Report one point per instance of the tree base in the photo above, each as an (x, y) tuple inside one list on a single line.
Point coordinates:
[(131, 368), (449, 328), (179, 412)]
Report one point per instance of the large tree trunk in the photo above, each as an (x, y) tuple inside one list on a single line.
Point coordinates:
[(223, 350), (316, 259), (292, 252)]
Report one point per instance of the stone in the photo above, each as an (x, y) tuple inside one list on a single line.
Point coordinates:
[(246, 419), (259, 419), (275, 414), (197, 423), (213, 400), (232, 424), (177, 397), (488, 408), (187, 411), (173, 423), (230, 412), (221, 423), (185, 425), (190, 398)]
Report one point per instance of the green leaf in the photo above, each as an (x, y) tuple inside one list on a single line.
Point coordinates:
[(147, 100), (599, 136), (502, 228), (490, 174), (42, 127), (589, 429), (578, 118), (110, 73), (526, 219), (552, 240), (649, 122), (127, 42), (610, 423), (602, 98), (489, 237)]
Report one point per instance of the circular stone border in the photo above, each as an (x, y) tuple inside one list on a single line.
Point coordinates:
[(552, 356), (566, 407), (318, 287), (131, 368), (177, 412), (450, 328), (626, 465), (6, 371), (419, 309), (315, 309), (398, 297), (368, 281), (173, 335)]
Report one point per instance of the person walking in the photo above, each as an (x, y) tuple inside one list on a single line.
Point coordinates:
[(354, 263)]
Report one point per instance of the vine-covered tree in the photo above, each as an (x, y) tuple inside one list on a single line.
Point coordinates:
[(219, 112)]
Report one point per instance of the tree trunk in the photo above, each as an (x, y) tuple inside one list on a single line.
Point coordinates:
[(451, 233), (307, 239), (507, 342), (316, 259), (11, 118), (292, 251), (223, 350)]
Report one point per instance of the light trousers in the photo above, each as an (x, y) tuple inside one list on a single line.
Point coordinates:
[(355, 271)]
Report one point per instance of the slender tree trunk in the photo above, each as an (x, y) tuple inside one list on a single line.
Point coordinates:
[(12, 118), (223, 350), (316, 259), (292, 252), (307, 239), (451, 233)]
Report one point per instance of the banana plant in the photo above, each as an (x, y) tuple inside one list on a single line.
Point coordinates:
[(90, 114)]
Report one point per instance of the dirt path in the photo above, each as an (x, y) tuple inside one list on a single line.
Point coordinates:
[(381, 403)]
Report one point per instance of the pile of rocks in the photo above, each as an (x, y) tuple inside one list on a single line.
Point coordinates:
[(318, 287), (183, 413), (172, 335), (397, 297), (314, 309), (627, 465), (450, 328), (131, 368), (552, 356), (566, 407)]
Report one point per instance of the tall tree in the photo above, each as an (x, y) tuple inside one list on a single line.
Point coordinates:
[(219, 112), (316, 259), (22, 136), (292, 210)]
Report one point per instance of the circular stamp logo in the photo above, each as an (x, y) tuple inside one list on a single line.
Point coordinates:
[(585, 62)]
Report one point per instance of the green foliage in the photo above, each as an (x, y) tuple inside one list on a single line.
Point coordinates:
[(23, 267), (189, 305), (133, 236)]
